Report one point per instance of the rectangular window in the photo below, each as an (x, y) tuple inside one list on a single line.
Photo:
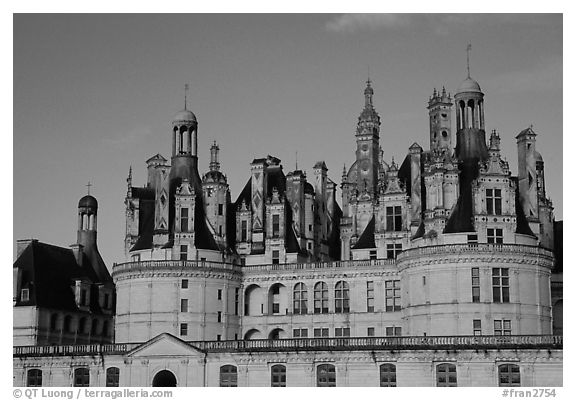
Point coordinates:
[(495, 235), (244, 231), (236, 300), (475, 285), (183, 252), (300, 333), (183, 305), (107, 300), (184, 284), (370, 332), (183, 329), (135, 257), (219, 294), (392, 295), (494, 201), (321, 332), (25, 295), (275, 256), (477, 327), (500, 285), (220, 209), (473, 238), (373, 254), (275, 225), (393, 249), (370, 296), (342, 332), (218, 338), (184, 220), (393, 331), (278, 376), (219, 316), (502, 327), (276, 299), (394, 218)]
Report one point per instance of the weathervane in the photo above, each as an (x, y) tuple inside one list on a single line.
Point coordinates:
[(186, 87), (468, 50), (88, 186)]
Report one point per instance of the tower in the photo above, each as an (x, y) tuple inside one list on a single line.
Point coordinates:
[(87, 233), (440, 112), (368, 145), (216, 195)]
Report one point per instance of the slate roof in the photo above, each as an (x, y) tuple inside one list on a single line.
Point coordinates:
[(49, 271), (366, 240)]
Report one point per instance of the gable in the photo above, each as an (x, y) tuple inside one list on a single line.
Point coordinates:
[(165, 345)]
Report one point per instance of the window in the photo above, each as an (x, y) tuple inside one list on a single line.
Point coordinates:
[(494, 235), (184, 220), (393, 249), (278, 376), (81, 377), (183, 305), (387, 375), (135, 257), (509, 375), (275, 291), (236, 300), (183, 252), (218, 338), (326, 375), (220, 209), (275, 256), (446, 375), (107, 300), (183, 329), (373, 254), (112, 377), (67, 324), (342, 332), (393, 331), (477, 327), (94, 329), (34, 378), (502, 327), (219, 316), (321, 298), (53, 322), (228, 376), (25, 295), (184, 283), (475, 285), (105, 328), (342, 297), (300, 299), (219, 293), (300, 333), (321, 332), (394, 218), (473, 238), (244, 231), (370, 296), (494, 201), (370, 332), (82, 325), (392, 295), (500, 285), (275, 225)]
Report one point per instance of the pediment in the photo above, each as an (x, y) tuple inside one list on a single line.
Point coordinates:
[(165, 345)]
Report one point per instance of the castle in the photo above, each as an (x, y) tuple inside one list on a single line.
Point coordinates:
[(427, 262)]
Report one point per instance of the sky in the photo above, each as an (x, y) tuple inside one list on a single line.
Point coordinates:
[(95, 94)]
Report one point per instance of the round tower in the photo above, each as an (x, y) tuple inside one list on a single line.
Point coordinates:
[(439, 112)]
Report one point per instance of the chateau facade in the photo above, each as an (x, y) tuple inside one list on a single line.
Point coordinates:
[(427, 262)]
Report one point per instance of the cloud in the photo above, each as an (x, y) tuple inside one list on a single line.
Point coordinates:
[(354, 22)]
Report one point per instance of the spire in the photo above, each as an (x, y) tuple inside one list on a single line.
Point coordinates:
[(214, 157), (368, 92), (129, 179), (88, 185), (186, 87), (296, 160), (468, 50)]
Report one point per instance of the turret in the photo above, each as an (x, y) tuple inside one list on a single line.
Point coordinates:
[(440, 111)]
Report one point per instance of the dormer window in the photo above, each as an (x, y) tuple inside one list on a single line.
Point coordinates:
[(83, 297), (275, 225), (494, 201), (184, 220), (25, 295)]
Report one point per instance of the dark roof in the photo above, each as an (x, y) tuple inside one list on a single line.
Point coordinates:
[(145, 226), (522, 225), (88, 201), (558, 247), (405, 174), (461, 219), (203, 238), (245, 195), (275, 179), (420, 231), (48, 271), (366, 240), (143, 193), (308, 188), (334, 243)]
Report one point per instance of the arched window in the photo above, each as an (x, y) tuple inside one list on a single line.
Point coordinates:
[(53, 322), (509, 375), (228, 376), (326, 375), (321, 298), (67, 324), (94, 330), (278, 376), (82, 325), (34, 378), (112, 377), (446, 375), (342, 297), (388, 375), (300, 299), (105, 325), (81, 377)]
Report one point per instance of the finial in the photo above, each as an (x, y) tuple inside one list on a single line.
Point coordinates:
[(129, 179), (468, 50), (443, 91), (296, 160), (186, 87), (435, 93), (368, 81), (88, 186)]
